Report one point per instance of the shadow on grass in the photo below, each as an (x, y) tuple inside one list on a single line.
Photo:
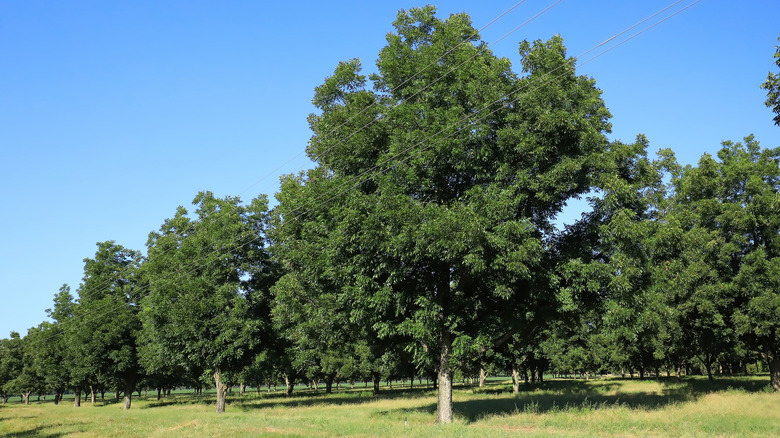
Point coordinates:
[(496, 397), (704, 386), (583, 395), (39, 432), (303, 398)]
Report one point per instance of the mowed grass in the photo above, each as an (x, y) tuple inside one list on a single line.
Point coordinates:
[(578, 408)]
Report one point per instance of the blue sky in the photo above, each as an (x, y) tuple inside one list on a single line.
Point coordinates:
[(114, 113)]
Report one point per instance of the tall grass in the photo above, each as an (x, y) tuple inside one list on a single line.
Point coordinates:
[(608, 407)]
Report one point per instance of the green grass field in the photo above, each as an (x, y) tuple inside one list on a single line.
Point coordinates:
[(605, 407)]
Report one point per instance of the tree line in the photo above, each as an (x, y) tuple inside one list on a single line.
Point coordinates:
[(424, 244)]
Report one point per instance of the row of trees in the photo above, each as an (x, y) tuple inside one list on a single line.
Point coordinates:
[(423, 243)]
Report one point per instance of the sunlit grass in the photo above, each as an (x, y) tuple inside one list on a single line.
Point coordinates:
[(602, 407)]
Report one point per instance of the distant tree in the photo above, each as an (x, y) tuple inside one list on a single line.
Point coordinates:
[(199, 314), (103, 333), (11, 364), (28, 379), (607, 262), (772, 87), (729, 251)]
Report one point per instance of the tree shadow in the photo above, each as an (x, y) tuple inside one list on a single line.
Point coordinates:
[(182, 399), (39, 432), (342, 397), (302, 398), (704, 386), (584, 395)]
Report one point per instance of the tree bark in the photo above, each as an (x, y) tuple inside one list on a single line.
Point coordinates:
[(444, 404), (26, 397), (128, 399), (329, 383), (774, 369), (92, 394), (221, 390), (482, 377), (515, 380), (77, 399), (290, 382), (376, 378)]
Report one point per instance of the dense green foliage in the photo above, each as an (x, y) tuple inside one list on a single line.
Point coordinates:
[(423, 244)]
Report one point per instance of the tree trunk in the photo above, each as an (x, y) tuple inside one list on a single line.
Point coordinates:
[(482, 377), (56, 398), (26, 397), (515, 380), (329, 383), (376, 378), (221, 390), (242, 388), (444, 404), (159, 392), (774, 369), (92, 394), (290, 382), (77, 399), (128, 395)]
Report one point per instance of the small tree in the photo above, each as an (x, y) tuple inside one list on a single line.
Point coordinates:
[(198, 315)]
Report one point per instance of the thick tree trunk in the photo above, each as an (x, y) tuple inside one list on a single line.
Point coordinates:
[(482, 377), (57, 398), (708, 366), (92, 394), (289, 381), (128, 399), (444, 404), (242, 388), (376, 379), (221, 390), (26, 398), (774, 369), (329, 383), (77, 399), (515, 380), (159, 393)]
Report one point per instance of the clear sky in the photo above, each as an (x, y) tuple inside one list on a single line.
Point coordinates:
[(114, 113)]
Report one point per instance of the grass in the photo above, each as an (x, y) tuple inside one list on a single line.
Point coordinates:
[(577, 408)]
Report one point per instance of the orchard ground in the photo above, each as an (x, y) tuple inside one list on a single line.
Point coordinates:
[(732, 406)]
